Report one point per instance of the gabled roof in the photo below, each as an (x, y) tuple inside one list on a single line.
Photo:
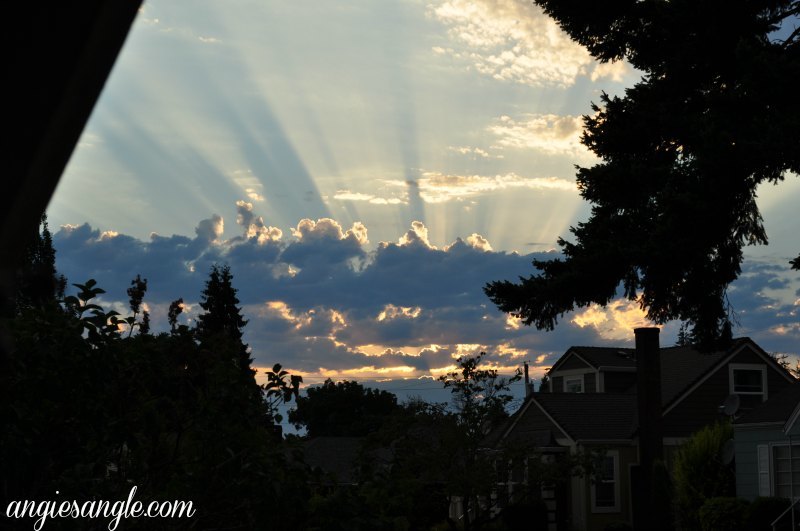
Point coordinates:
[(591, 416), (681, 366), (604, 356), (613, 416), (780, 408), (581, 416)]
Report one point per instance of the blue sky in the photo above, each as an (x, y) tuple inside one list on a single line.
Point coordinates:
[(365, 168)]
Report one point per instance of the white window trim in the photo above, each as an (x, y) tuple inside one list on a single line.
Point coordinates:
[(771, 474), (616, 508), (749, 367), (572, 378)]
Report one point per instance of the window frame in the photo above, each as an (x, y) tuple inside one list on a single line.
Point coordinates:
[(733, 367), (614, 454), (573, 378)]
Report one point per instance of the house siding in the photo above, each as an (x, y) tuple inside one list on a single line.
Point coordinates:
[(536, 420), (701, 407), (628, 456), (573, 362), (558, 384), (746, 452), (746, 443)]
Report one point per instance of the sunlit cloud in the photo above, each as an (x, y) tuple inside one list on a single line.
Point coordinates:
[(549, 133), (391, 312), (347, 195), (254, 225), (416, 235), (210, 229), (514, 41), (329, 229), (474, 152), (613, 322), (435, 187)]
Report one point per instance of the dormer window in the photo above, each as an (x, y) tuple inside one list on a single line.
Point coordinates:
[(749, 381), (573, 384)]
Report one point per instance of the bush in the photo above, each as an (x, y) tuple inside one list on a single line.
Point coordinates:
[(700, 473), (723, 514), (763, 511)]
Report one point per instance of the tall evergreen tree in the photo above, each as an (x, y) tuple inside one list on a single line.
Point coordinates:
[(38, 282), (222, 320), (681, 154)]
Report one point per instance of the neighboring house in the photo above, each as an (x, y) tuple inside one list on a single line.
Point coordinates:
[(767, 448), (591, 402)]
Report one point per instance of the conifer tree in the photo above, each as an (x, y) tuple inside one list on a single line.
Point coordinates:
[(37, 280), (222, 319), (680, 158)]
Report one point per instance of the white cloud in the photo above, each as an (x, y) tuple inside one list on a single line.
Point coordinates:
[(512, 40), (475, 152), (613, 322), (417, 235), (615, 71), (435, 187), (347, 195), (549, 133), (254, 225), (328, 229)]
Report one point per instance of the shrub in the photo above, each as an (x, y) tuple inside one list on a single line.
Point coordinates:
[(700, 474), (723, 514)]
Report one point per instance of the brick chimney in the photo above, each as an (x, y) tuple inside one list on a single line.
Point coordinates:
[(651, 441), (527, 381)]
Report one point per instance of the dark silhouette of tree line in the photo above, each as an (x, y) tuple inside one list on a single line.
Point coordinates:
[(94, 402)]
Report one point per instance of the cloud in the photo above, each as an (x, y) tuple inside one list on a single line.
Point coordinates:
[(615, 321), (515, 41), (549, 133), (347, 195), (320, 302), (416, 235), (435, 187), (210, 229), (474, 152), (254, 227)]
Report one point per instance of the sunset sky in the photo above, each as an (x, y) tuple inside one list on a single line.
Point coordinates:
[(364, 168)]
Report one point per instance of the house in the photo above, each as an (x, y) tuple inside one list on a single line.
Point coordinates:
[(767, 448), (591, 403)]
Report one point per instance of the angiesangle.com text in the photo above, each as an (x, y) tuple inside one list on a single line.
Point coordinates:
[(117, 510)]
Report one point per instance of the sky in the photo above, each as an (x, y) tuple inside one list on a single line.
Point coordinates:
[(365, 168)]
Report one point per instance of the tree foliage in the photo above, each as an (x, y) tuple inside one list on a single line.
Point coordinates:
[(222, 318), (89, 409), (700, 473), (37, 281), (342, 409), (682, 154)]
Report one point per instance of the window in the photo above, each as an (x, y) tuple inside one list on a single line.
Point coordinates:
[(605, 486), (573, 385), (786, 471), (749, 381)]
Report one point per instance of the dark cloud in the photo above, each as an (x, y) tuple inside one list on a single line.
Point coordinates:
[(320, 298)]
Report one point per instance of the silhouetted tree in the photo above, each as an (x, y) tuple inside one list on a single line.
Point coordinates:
[(479, 399), (342, 409), (222, 319), (91, 411), (37, 281), (682, 154)]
